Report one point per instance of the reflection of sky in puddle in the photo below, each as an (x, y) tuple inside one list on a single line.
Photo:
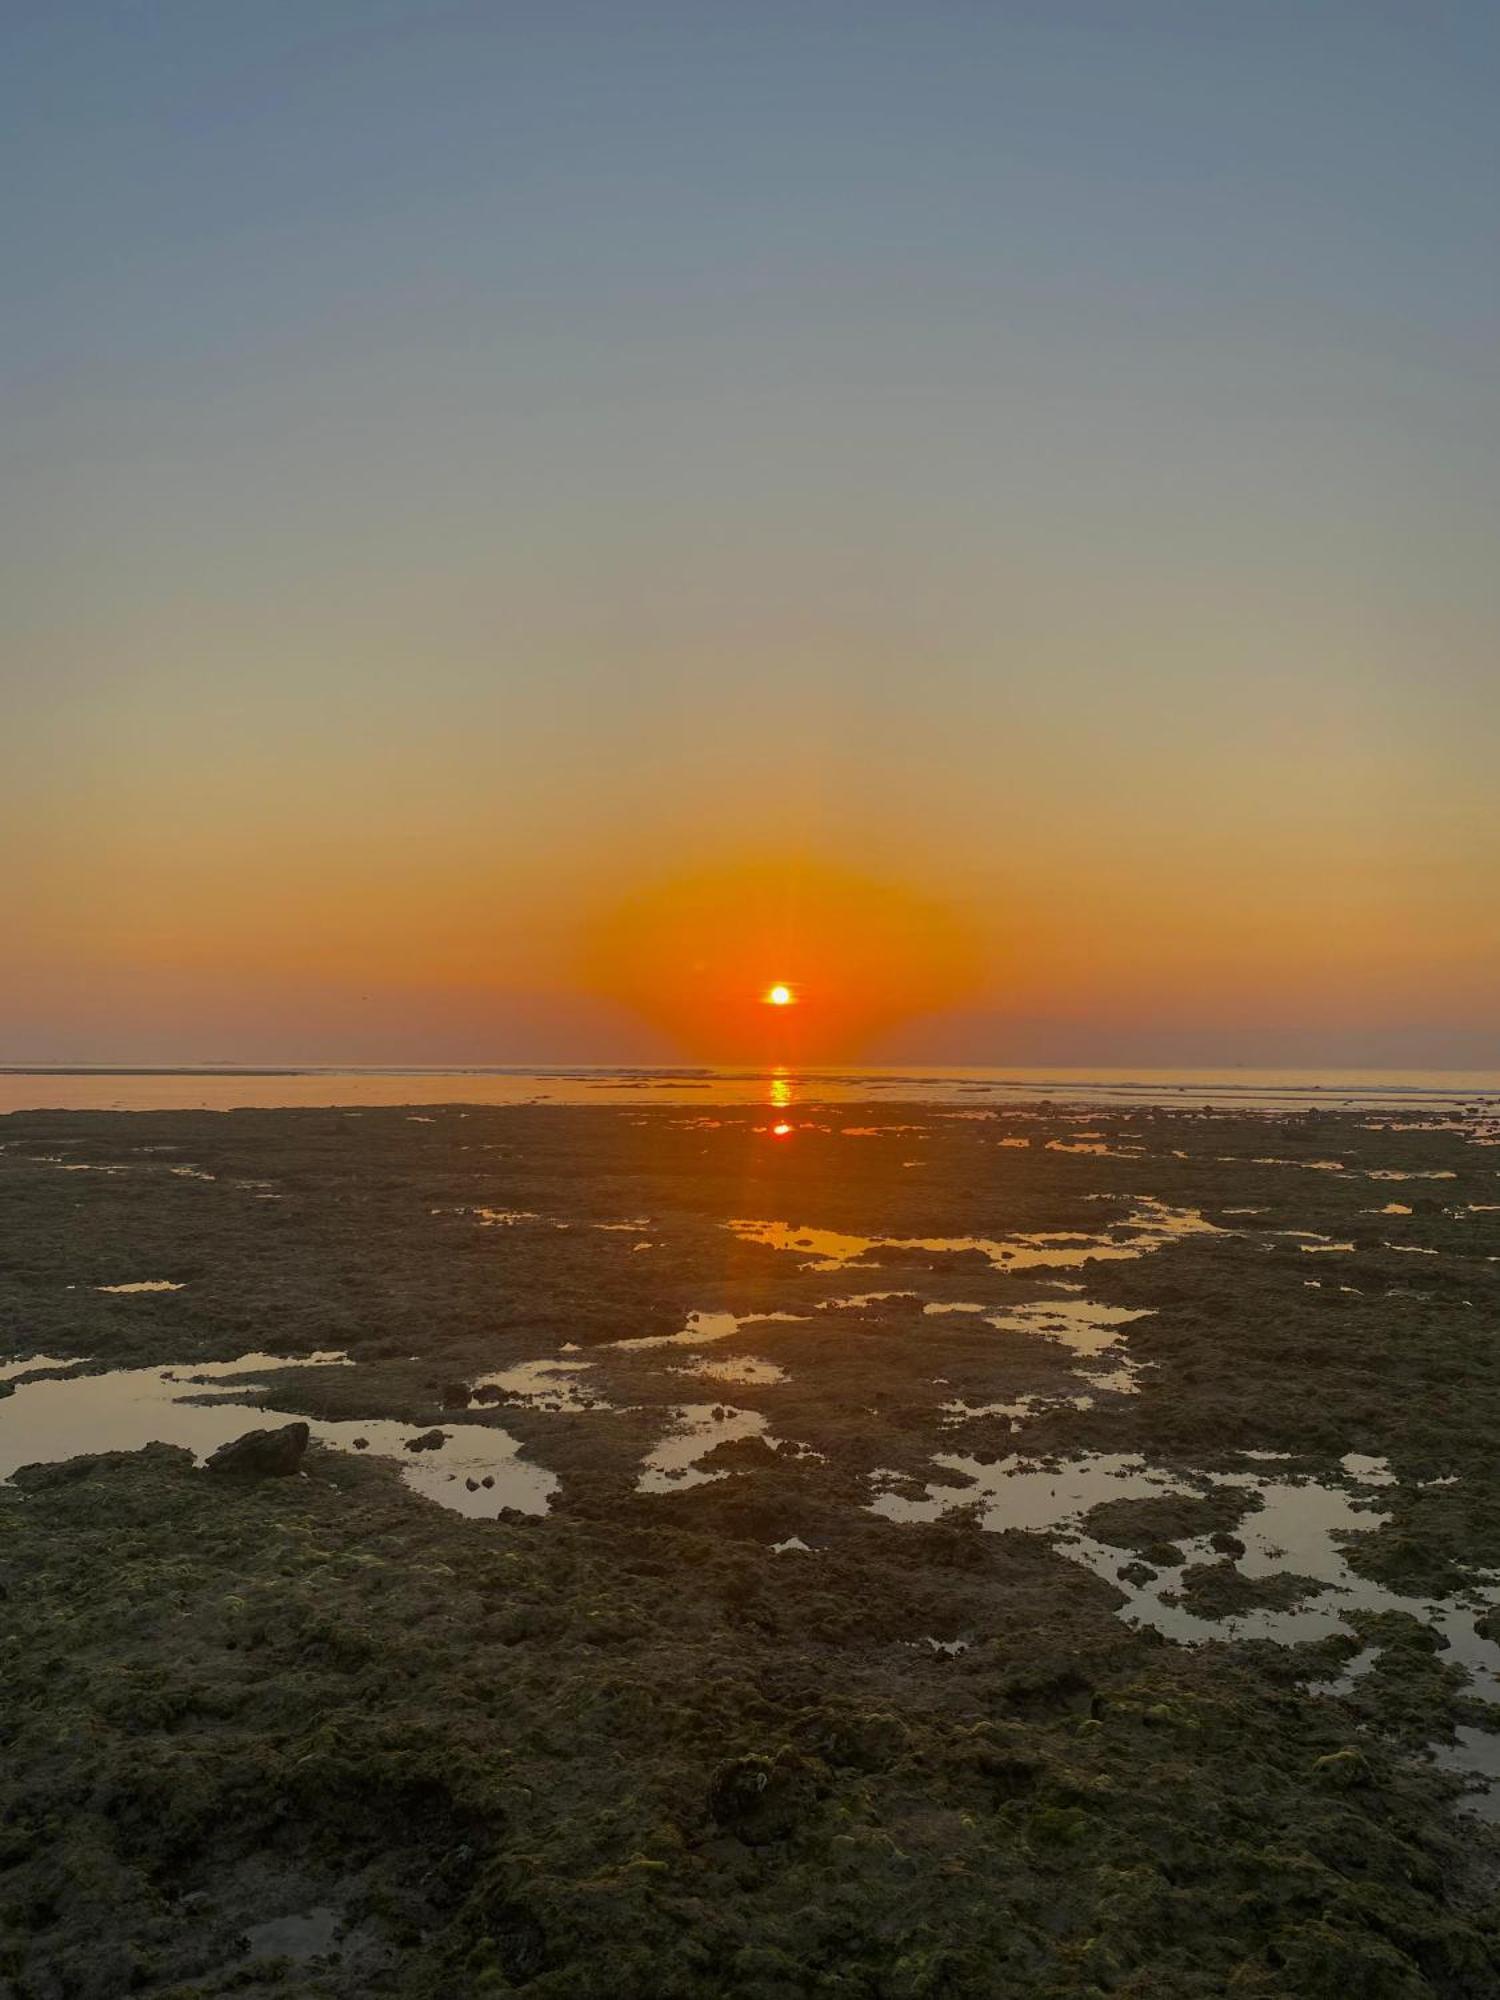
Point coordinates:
[(1092, 1332), (549, 1384), (1037, 1403), (1150, 1225), (748, 1370), (1474, 1754), (1088, 1328), (1021, 1493), (673, 1462), (308, 1935), (1095, 1147), (143, 1285), (854, 1300), (701, 1328), (10, 1369), (50, 1420), (1297, 1529)]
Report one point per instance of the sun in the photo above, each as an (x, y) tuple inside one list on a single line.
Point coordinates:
[(779, 996)]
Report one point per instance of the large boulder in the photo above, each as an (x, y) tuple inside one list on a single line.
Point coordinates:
[(262, 1454)]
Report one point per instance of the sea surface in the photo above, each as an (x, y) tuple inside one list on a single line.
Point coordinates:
[(224, 1087)]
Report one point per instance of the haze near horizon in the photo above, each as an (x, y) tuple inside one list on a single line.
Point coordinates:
[(529, 526)]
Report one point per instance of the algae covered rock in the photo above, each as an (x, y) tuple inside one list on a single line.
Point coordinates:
[(762, 1798), (262, 1454)]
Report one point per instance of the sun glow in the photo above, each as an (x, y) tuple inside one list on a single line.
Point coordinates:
[(693, 954)]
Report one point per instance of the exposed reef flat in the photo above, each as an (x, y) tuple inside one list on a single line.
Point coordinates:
[(921, 1554)]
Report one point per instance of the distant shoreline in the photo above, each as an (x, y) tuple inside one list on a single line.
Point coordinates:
[(35, 1088)]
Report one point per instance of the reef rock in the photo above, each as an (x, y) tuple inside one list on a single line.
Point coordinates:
[(262, 1454)]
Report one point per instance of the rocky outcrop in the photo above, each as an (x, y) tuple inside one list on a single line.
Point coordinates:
[(262, 1454)]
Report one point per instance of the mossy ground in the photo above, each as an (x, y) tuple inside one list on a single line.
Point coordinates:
[(627, 1752)]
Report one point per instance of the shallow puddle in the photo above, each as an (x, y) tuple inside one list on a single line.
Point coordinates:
[(674, 1461), (550, 1384), (701, 1328), (10, 1369), (1298, 1528), (1473, 1754), (310, 1935), (1148, 1226), (53, 1419), (747, 1371), (1028, 1494), (1021, 1411), (1089, 1329)]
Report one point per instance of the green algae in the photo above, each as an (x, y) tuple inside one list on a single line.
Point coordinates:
[(628, 1752)]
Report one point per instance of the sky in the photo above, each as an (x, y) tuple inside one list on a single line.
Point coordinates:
[(523, 523)]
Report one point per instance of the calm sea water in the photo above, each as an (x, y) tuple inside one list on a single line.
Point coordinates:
[(224, 1089)]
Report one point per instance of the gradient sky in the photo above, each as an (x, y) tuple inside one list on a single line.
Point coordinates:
[(474, 472)]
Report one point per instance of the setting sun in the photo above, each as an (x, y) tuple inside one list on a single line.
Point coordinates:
[(779, 996)]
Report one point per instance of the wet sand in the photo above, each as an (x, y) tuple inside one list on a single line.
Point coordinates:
[(922, 1550)]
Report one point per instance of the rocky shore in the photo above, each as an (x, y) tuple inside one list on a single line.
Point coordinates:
[(1035, 1553)]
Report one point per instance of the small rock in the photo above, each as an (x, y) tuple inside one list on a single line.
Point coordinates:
[(262, 1454), (361, 1444), (456, 1395), (432, 1440)]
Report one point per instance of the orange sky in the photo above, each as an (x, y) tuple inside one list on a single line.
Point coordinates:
[(517, 537)]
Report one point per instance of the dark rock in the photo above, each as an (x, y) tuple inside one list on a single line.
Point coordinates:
[(1163, 1555), (456, 1395), (740, 1455), (262, 1454), (432, 1440), (761, 1798)]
